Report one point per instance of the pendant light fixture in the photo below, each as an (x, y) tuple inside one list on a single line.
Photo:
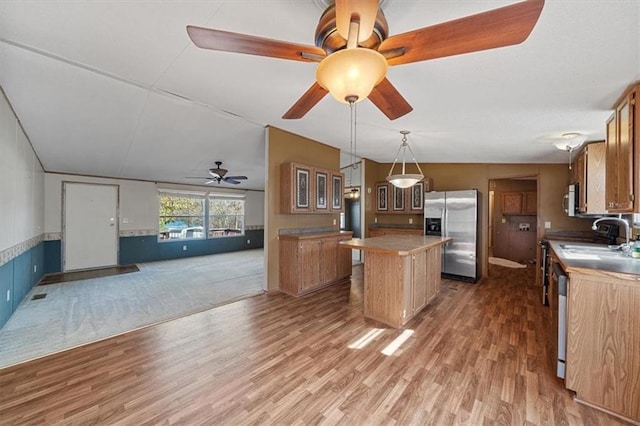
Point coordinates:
[(404, 180)]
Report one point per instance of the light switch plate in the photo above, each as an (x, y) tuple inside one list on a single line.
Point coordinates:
[(547, 225)]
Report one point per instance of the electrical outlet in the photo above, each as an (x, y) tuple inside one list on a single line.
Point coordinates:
[(8, 295), (248, 241), (375, 220), (184, 248), (410, 220), (547, 225), (504, 220), (334, 222), (35, 268)]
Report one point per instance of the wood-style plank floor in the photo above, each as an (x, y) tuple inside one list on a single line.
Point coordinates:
[(479, 354)]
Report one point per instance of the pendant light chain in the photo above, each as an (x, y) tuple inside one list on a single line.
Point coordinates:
[(353, 134)]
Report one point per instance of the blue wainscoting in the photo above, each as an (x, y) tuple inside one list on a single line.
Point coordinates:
[(17, 278), (149, 249)]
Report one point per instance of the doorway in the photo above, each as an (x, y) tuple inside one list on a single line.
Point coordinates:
[(513, 218), (89, 226)]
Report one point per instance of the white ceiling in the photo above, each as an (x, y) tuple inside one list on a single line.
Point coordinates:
[(116, 88)]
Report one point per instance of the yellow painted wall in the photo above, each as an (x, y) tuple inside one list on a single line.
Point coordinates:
[(285, 147)]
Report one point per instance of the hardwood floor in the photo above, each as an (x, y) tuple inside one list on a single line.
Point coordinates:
[(478, 355)]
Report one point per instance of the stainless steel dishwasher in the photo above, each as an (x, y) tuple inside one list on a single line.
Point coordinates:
[(559, 284)]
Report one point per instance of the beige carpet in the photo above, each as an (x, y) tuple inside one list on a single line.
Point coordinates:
[(79, 312), (505, 262)]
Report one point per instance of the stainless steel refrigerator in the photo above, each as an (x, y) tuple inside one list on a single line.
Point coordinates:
[(455, 214)]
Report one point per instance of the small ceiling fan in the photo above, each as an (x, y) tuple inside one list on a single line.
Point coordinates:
[(219, 175), (355, 32)]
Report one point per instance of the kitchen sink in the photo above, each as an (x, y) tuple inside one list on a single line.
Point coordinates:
[(592, 251), (590, 248)]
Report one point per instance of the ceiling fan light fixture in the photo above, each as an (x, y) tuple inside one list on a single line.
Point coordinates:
[(351, 73), (404, 180), (570, 141)]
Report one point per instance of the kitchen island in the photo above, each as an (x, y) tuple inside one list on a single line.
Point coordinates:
[(602, 326), (401, 275)]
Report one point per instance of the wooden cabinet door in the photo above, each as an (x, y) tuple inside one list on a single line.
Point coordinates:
[(296, 182), (310, 263), (594, 187), (415, 198), (530, 206), (418, 281), (337, 192), (512, 203), (624, 119), (344, 260), (619, 177), (433, 277), (382, 197), (328, 260), (398, 204), (611, 178), (580, 177)]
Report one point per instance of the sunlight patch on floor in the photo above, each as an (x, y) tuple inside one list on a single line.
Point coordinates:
[(397, 342)]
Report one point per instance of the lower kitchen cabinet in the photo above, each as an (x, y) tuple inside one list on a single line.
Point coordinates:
[(310, 262), (603, 342)]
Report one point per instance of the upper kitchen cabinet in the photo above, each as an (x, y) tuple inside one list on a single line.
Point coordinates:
[(306, 189), (589, 174), (296, 195), (391, 199), (520, 203), (620, 150)]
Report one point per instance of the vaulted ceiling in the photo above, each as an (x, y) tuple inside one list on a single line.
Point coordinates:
[(117, 89)]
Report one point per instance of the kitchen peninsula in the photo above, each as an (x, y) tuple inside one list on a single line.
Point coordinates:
[(401, 275)]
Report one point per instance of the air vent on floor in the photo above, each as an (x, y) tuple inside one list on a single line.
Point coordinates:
[(39, 296)]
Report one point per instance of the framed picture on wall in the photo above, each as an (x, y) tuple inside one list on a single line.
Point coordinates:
[(321, 190), (398, 198), (417, 197), (382, 197), (337, 192), (302, 188)]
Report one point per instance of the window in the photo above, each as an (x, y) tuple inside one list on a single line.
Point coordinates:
[(196, 215), (226, 216)]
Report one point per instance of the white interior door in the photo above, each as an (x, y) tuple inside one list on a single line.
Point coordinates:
[(90, 228)]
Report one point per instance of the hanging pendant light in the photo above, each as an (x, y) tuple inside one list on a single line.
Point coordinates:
[(404, 180)]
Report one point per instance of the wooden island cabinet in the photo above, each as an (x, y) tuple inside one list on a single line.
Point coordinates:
[(309, 262), (401, 275)]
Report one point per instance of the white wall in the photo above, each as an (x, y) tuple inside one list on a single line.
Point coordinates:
[(21, 183), (138, 202)]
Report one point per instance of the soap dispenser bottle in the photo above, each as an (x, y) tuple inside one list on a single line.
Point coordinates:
[(635, 250)]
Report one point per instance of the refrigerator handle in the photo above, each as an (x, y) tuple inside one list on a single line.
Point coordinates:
[(443, 223)]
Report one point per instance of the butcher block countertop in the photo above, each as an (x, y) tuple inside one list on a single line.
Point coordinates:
[(399, 245)]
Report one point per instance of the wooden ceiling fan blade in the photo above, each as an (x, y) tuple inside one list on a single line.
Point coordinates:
[(307, 101), (366, 10), (388, 100), (207, 38), (501, 27)]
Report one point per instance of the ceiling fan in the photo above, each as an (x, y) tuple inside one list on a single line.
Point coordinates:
[(359, 28), (218, 174)]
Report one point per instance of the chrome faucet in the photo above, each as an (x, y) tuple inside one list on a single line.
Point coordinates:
[(615, 219)]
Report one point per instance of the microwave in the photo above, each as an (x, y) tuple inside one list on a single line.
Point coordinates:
[(571, 200)]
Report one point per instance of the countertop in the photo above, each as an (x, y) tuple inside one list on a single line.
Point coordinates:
[(395, 226), (615, 264), (313, 235), (399, 245)]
